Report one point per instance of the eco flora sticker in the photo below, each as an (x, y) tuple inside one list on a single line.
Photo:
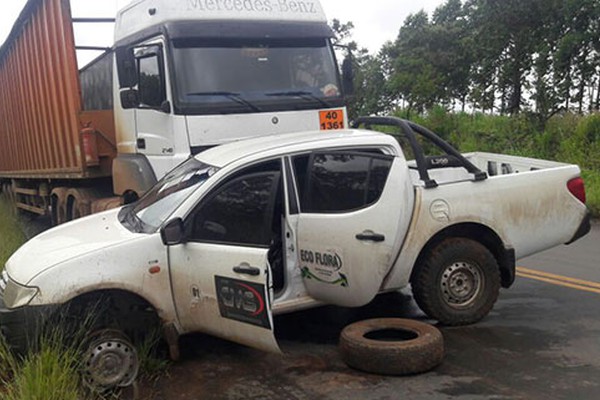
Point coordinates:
[(323, 266)]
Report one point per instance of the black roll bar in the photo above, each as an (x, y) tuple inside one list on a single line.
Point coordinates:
[(408, 129)]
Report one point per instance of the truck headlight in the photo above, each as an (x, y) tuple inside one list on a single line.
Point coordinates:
[(16, 295)]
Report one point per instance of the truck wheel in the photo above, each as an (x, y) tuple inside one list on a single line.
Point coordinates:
[(109, 361), (391, 346), (458, 282)]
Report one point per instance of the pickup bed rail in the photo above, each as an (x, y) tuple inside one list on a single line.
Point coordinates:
[(424, 164)]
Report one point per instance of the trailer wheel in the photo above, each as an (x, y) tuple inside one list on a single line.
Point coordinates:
[(58, 205), (391, 346), (458, 282)]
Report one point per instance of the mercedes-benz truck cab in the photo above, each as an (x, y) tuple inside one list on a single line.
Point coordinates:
[(192, 74)]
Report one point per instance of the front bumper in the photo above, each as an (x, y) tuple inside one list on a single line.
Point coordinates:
[(21, 327)]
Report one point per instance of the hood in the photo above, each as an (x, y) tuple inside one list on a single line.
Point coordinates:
[(66, 242)]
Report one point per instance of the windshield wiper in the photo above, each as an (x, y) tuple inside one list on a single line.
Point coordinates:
[(230, 95), (303, 94)]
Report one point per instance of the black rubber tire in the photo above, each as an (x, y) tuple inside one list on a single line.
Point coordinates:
[(392, 357), (428, 287)]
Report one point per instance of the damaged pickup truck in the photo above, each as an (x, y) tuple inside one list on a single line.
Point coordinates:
[(272, 225)]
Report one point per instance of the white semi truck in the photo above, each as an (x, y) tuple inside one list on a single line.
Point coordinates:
[(181, 77)]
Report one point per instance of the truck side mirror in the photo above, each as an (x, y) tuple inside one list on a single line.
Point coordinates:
[(126, 67), (129, 99), (348, 76), (173, 232)]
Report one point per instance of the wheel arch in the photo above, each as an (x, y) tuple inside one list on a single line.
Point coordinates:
[(124, 298), (58, 205), (482, 234)]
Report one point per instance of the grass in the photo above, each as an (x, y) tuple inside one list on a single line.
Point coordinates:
[(11, 236), (592, 190), (51, 373)]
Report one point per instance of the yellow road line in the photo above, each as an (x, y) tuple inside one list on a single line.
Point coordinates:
[(558, 277), (559, 282)]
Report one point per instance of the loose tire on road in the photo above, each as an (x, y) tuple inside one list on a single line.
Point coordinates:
[(458, 282), (391, 346)]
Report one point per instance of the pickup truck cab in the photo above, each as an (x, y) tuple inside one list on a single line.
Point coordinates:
[(277, 224)]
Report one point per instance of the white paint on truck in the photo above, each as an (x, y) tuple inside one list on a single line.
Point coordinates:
[(142, 14)]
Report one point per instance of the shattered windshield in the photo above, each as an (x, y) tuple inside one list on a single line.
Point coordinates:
[(153, 209), (253, 75)]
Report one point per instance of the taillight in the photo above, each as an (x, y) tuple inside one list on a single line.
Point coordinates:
[(577, 188)]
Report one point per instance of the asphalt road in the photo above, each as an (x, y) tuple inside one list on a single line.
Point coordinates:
[(541, 341)]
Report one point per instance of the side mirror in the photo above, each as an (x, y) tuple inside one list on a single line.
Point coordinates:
[(348, 76), (126, 67), (173, 233), (130, 99)]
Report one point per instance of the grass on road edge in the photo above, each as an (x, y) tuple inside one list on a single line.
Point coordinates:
[(11, 235)]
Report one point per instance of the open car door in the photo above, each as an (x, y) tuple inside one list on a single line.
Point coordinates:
[(350, 226), (221, 275)]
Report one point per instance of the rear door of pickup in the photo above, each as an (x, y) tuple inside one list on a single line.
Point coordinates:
[(350, 223)]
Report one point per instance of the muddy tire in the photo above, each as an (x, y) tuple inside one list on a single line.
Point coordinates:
[(458, 282), (391, 346)]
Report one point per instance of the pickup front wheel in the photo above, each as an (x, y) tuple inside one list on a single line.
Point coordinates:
[(458, 282)]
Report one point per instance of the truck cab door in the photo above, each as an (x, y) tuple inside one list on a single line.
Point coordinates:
[(350, 225), (154, 119), (221, 276)]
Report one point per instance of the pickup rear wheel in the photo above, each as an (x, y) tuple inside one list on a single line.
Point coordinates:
[(458, 282)]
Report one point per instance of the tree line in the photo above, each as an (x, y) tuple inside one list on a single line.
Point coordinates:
[(503, 57)]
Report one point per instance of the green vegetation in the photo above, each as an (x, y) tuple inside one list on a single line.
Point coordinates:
[(11, 236), (504, 57), (51, 373)]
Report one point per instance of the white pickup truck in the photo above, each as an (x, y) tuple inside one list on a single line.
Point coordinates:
[(277, 224)]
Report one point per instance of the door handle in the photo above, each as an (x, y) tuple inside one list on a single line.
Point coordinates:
[(246, 269), (371, 237)]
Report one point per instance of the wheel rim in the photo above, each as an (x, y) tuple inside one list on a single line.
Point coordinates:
[(461, 284), (111, 361)]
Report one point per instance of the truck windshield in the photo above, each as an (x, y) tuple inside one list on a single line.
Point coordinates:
[(152, 210), (253, 75)]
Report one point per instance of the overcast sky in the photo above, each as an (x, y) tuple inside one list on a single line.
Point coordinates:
[(375, 21)]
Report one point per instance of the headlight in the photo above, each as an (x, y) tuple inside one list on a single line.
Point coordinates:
[(16, 295)]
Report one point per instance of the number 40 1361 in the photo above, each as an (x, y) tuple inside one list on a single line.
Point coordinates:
[(331, 119)]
